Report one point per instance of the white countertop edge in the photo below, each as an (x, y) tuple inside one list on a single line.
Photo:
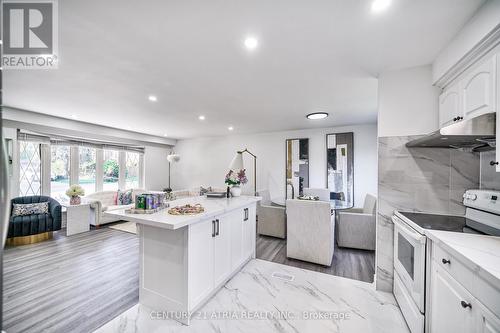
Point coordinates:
[(188, 220), (437, 236)]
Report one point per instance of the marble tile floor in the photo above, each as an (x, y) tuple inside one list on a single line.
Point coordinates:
[(256, 301)]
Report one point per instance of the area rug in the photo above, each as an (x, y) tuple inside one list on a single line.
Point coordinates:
[(125, 226)]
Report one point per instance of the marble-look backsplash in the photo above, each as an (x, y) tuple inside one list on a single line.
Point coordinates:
[(490, 179), (430, 180)]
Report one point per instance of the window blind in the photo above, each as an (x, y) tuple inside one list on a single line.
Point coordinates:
[(68, 141)]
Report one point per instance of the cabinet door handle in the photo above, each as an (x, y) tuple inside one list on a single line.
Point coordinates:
[(246, 214), (217, 225), (213, 228), (445, 261), (492, 163), (465, 305)]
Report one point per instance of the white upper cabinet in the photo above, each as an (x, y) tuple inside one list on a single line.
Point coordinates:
[(479, 89), (449, 106), (472, 94)]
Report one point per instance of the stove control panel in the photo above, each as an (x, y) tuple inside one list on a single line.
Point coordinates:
[(486, 200)]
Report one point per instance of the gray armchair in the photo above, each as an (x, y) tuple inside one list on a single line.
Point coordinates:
[(271, 220), (356, 227)]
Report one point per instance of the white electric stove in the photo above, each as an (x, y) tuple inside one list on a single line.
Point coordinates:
[(482, 216)]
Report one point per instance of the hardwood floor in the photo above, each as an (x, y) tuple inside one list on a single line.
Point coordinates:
[(349, 263), (70, 284)]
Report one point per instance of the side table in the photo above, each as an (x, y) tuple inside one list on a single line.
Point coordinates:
[(79, 218)]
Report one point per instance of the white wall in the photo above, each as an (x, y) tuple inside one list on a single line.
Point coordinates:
[(205, 161), (155, 168), (408, 103), (482, 23)]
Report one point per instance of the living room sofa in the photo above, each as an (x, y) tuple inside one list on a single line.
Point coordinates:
[(105, 201)]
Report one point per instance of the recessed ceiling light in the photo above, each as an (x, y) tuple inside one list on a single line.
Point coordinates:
[(165, 134), (74, 116), (152, 98), (317, 115), (380, 5), (201, 117), (251, 43), (230, 128)]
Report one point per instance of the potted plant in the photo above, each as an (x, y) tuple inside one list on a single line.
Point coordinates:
[(235, 179), (74, 192)]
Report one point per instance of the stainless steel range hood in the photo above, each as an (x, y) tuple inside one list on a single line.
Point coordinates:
[(475, 134)]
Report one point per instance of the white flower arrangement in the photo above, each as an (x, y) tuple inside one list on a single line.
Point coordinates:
[(75, 191)]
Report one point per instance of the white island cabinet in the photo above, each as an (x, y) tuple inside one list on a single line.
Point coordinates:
[(184, 260)]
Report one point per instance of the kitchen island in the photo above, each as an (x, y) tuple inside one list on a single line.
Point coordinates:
[(186, 259)]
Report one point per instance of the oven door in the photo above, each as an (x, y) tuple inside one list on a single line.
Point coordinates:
[(409, 260)]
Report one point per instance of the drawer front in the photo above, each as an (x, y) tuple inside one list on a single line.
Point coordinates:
[(486, 293), (453, 266)]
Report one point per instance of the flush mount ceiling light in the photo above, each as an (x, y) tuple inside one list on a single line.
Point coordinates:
[(251, 43), (201, 117), (380, 5), (230, 128), (152, 98), (317, 115)]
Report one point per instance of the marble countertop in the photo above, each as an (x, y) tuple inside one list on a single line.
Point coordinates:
[(162, 219), (479, 252)]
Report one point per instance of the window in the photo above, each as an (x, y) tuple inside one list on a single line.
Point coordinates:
[(111, 170), (59, 170), (30, 168), (86, 166), (132, 170)]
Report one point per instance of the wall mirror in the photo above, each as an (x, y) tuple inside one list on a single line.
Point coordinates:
[(297, 167), (340, 168)]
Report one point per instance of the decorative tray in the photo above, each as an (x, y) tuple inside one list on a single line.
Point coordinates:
[(186, 210), (144, 211), (308, 197)]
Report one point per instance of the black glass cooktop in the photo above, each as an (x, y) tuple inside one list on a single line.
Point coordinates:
[(450, 223)]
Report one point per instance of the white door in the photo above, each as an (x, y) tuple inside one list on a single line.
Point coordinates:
[(478, 89), (236, 225), (249, 214), (449, 106), (222, 249), (486, 321), (450, 304), (201, 260)]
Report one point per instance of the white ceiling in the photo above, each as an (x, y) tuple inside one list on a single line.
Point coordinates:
[(312, 56)]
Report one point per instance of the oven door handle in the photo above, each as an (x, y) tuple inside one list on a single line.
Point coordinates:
[(408, 230)]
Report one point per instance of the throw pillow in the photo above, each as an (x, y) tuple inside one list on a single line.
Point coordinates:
[(124, 198), (30, 209)]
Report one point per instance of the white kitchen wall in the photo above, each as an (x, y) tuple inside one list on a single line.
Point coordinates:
[(408, 103), (155, 168), (205, 161)]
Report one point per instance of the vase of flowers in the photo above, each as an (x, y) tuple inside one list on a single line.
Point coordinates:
[(234, 179), (74, 193)]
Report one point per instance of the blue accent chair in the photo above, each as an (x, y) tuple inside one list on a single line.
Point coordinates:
[(35, 224)]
